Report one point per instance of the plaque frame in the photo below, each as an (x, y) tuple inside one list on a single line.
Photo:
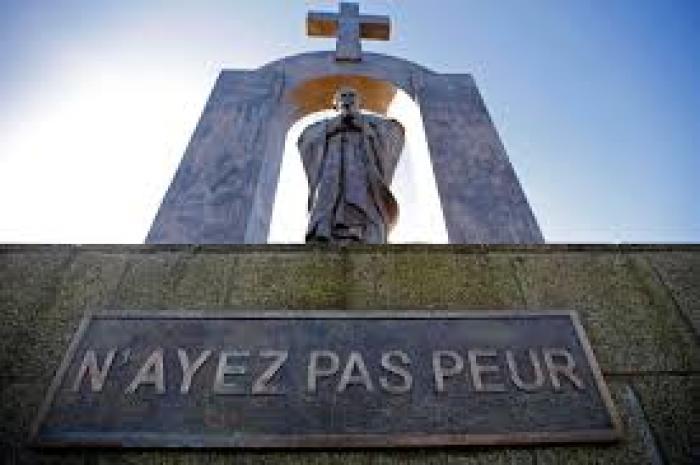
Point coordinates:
[(325, 441)]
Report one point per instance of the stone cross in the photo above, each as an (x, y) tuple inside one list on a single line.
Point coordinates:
[(349, 27)]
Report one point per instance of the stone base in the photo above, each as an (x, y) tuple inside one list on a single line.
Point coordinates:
[(638, 304)]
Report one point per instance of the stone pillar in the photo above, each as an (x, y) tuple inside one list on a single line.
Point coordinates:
[(481, 197), (216, 196)]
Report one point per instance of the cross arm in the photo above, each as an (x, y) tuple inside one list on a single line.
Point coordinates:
[(322, 24), (375, 27)]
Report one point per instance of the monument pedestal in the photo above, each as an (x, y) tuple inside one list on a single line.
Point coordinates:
[(638, 305)]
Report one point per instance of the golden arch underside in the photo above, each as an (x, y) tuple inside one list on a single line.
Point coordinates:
[(316, 95)]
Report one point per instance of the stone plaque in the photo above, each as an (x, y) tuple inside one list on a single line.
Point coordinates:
[(327, 379)]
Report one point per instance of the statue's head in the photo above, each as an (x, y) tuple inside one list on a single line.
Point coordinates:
[(346, 101)]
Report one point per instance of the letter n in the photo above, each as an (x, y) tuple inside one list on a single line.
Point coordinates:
[(97, 375)]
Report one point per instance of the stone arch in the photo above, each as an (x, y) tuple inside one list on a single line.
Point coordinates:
[(309, 82), (313, 98), (420, 219), (305, 67), (224, 188)]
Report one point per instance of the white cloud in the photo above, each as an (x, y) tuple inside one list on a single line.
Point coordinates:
[(92, 166)]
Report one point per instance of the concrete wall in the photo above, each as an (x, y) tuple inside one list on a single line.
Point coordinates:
[(640, 306)]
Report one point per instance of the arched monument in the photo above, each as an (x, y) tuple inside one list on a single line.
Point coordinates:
[(224, 189)]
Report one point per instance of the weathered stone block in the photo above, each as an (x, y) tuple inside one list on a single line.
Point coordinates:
[(634, 448), (151, 280), (285, 280), (490, 457), (396, 457), (680, 271), (86, 285), (670, 403), (200, 281), (636, 304), (632, 323), (30, 278), (431, 278)]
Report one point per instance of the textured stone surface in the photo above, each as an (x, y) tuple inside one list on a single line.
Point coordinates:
[(635, 304), (224, 188), (151, 281), (635, 448), (439, 279), (29, 279), (481, 197), (213, 196), (670, 405), (88, 284), (478, 457), (680, 272), (630, 319)]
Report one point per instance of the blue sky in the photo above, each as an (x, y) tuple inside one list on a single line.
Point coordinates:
[(597, 103)]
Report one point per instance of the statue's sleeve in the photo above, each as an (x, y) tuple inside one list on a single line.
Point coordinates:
[(311, 145), (393, 138)]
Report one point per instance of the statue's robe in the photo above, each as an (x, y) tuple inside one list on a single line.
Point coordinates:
[(349, 170)]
